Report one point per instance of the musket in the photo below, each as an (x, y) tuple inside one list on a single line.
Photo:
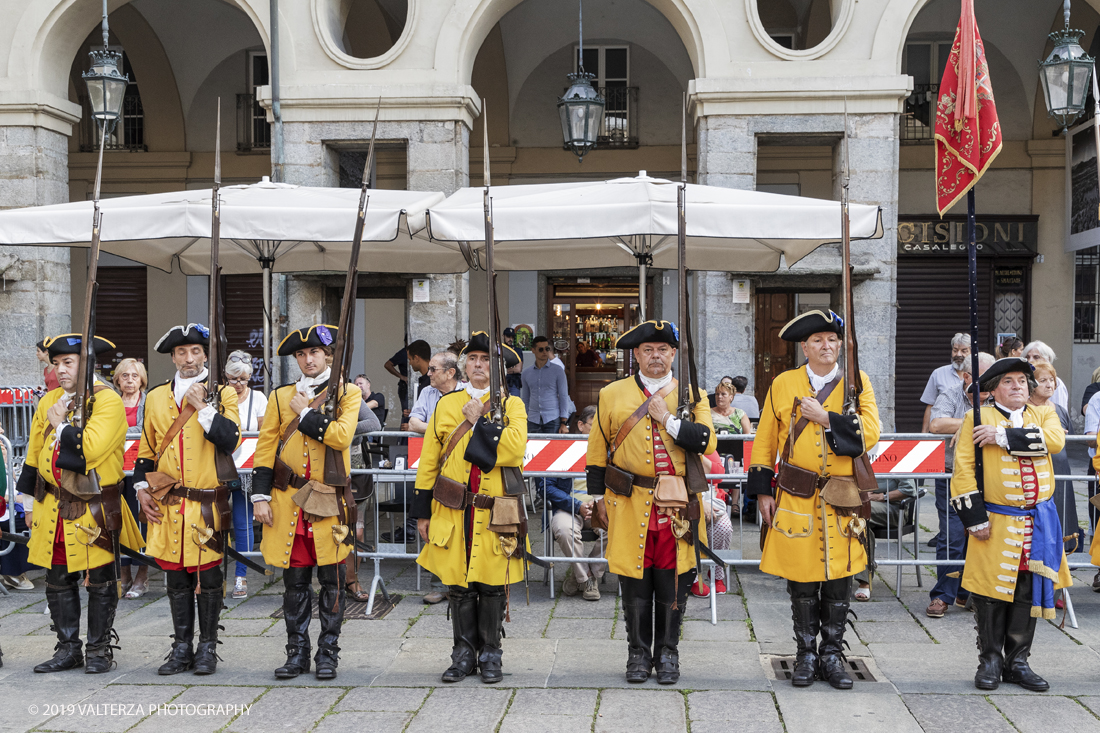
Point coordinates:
[(342, 350)]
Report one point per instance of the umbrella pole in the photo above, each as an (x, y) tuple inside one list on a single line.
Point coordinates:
[(268, 314), (641, 290)]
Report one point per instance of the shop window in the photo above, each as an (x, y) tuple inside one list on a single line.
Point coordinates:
[(1086, 298)]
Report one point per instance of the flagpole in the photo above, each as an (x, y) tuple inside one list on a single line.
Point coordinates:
[(972, 256)]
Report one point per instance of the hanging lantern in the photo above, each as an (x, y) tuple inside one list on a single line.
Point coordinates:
[(1066, 74), (106, 87), (581, 111)]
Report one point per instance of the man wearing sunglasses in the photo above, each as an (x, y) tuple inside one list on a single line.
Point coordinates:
[(443, 375), (545, 392)]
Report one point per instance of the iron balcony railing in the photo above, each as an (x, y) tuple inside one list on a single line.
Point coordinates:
[(918, 123), (253, 129)]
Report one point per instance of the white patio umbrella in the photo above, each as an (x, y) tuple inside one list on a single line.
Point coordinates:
[(609, 223), (265, 227)]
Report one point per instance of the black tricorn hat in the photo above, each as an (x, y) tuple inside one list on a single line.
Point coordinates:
[(192, 333), (1004, 366), (69, 343), (479, 341), (660, 332), (321, 335), (811, 322)]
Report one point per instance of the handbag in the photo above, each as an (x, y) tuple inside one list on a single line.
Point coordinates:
[(671, 492), (792, 479)]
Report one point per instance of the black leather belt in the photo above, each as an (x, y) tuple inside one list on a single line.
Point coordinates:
[(479, 501), (646, 482)]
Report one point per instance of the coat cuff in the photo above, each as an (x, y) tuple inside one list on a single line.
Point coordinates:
[(594, 475), (693, 437), (484, 442), (224, 434), (845, 435), (971, 509), (70, 452), (314, 425), (1026, 441), (142, 466), (27, 479), (760, 481), (421, 505), (262, 478)]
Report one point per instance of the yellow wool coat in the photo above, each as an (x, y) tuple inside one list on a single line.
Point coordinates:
[(444, 554), (628, 516), (301, 450), (992, 565), (102, 444), (190, 459), (809, 542)]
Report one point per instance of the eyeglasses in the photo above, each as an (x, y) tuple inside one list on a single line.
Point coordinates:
[(543, 348), (240, 359), (433, 370), (237, 381)]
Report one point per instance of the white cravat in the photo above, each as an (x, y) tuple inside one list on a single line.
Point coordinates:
[(818, 383), (307, 386), (672, 423), (1016, 417), (476, 393), (181, 385)]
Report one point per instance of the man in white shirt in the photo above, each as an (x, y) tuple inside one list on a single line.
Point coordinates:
[(443, 374), (946, 377)]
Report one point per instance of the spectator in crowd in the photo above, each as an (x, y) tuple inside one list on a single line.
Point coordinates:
[(587, 357), (251, 407), (375, 401), (719, 526), (1046, 381), (945, 378), (415, 355), (571, 512), (545, 393), (886, 511), (727, 417), (561, 348), (1092, 389), (946, 419), (443, 373), (13, 565), (744, 401), (728, 381), (1010, 346), (131, 380), (49, 376), (1092, 424), (1037, 351)]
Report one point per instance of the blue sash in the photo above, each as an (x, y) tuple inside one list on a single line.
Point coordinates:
[(1047, 551)]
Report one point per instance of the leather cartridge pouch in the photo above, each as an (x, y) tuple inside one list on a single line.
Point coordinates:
[(512, 478), (842, 493), (447, 491), (695, 476), (671, 492), (80, 485), (160, 484), (281, 473), (506, 515), (599, 514), (619, 481), (318, 499), (794, 480), (864, 473)]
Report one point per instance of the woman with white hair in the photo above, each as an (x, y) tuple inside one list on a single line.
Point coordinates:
[(252, 404), (1037, 351)]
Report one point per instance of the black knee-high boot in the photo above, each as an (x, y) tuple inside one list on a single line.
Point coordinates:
[(1019, 633), (638, 615), (181, 602), (63, 597), (462, 606), (491, 605), (210, 602), (102, 602), (834, 617), (330, 611), (806, 614), (990, 616), (297, 610), (670, 594)]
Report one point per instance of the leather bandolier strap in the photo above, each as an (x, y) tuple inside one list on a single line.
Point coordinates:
[(208, 500), (72, 508)]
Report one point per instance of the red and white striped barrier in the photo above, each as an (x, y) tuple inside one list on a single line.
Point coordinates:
[(247, 451)]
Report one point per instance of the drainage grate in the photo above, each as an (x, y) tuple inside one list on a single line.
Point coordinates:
[(782, 667), (357, 610)]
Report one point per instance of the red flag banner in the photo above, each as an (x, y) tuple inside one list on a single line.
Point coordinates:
[(968, 135)]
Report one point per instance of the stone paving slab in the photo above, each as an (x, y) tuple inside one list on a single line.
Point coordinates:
[(629, 711), (745, 712), (223, 702), (361, 722), (112, 709), (1035, 714), (867, 709), (944, 712), (289, 710), (420, 662), (560, 711), (470, 709)]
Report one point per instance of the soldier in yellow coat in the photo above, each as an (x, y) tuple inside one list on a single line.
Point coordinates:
[(186, 505), (649, 547), (302, 495), (816, 547), (473, 561), (70, 535), (1015, 556)]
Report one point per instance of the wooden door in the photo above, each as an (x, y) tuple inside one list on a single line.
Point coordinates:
[(773, 354)]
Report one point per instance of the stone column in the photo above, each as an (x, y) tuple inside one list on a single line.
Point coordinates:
[(438, 160), (34, 281)]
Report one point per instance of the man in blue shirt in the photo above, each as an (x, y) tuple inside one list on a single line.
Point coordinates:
[(545, 392)]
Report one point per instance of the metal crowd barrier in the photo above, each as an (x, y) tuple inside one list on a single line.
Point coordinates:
[(388, 479), (7, 491), (16, 412)]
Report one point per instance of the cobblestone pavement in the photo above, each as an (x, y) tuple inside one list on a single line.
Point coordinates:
[(563, 660)]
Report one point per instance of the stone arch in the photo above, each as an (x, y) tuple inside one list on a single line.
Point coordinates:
[(49, 34), (466, 28)]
